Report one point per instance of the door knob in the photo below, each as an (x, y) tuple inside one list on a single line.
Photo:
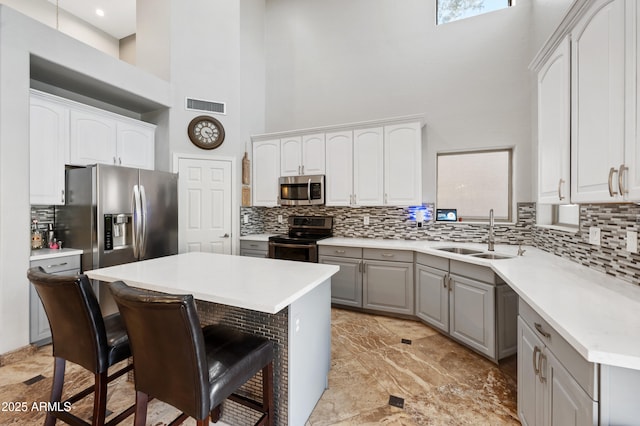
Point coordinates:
[(224, 236)]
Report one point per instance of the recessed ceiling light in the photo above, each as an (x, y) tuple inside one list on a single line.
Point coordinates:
[(99, 12)]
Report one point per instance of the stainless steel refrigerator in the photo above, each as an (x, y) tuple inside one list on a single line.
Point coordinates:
[(118, 215)]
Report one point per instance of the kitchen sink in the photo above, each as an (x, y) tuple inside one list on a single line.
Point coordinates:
[(492, 256), (460, 250)]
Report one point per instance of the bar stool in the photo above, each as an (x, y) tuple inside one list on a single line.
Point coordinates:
[(193, 369), (81, 335)]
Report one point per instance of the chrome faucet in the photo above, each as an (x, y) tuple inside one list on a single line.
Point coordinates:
[(491, 239)]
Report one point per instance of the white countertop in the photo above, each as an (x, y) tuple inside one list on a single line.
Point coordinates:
[(257, 237), (42, 254), (265, 285), (597, 314)]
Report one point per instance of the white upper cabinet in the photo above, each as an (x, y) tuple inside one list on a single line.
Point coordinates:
[(339, 166), (48, 136), (598, 104), (554, 81), (135, 145), (266, 171), (403, 164), (302, 155), (368, 163)]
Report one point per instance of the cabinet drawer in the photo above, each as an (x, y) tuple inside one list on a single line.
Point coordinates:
[(355, 252), (477, 272), (382, 254), (583, 371), (59, 264), (254, 245), (437, 262)]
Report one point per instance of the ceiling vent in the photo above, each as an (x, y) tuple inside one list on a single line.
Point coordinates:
[(206, 106)]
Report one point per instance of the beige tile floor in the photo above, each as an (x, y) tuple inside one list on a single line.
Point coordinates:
[(439, 381)]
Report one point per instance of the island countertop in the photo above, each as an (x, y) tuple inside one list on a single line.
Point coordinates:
[(265, 285)]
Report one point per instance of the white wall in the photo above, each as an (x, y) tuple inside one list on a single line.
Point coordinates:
[(45, 12), (333, 61)]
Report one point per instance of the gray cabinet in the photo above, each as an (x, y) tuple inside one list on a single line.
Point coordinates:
[(39, 331), (469, 303), (556, 386), (254, 248), (387, 282), (346, 285)]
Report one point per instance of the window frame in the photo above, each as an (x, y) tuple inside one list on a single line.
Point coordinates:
[(510, 3), (510, 208)]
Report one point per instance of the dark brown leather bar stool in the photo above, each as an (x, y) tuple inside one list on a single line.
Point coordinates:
[(191, 368), (81, 335)]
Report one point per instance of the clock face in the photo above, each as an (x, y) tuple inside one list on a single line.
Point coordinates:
[(206, 132)]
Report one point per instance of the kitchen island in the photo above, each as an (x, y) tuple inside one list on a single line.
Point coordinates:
[(288, 302)]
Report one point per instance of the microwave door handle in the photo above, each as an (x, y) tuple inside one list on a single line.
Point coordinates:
[(309, 191)]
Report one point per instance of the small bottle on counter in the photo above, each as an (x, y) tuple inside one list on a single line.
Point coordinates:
[(36, 235)]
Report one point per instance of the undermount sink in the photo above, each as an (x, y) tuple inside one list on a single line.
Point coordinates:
[(492, 256), (460, 250)]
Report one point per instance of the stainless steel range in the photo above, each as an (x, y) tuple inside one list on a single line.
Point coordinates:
[(300, 243)]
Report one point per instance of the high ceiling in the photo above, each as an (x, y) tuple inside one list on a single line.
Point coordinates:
[(119, 18)]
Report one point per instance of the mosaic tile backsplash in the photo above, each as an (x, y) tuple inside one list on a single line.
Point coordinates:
[(610, 257)]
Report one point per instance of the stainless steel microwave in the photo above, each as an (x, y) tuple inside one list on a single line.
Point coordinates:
[(301, 190)]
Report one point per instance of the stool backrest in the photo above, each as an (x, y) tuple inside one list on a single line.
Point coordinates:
[(77, 327), (168, 349)]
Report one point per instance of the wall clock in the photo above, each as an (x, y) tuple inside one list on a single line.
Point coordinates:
[(206, 132)]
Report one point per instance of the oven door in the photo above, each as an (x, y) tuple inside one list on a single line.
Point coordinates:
[(303, 252)]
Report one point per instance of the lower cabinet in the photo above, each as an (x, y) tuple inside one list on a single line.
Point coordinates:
[(254, 248), (468, 302), (346, 285), (39, 331), (548, 392)]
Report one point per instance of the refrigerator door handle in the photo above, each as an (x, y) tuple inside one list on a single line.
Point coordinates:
[(136, 221), (143, 222)]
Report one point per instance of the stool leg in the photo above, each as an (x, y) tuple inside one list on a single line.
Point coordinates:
[(215, 414), (142, 399), (267, 392), (56, 388), (100, 398)]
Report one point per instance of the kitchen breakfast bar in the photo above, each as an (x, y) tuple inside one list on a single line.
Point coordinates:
[(285, 301)]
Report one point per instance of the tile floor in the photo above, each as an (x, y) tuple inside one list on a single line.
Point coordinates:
[(434, 380)]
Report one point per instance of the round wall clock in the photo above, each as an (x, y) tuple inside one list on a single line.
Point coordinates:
[(206, 132)]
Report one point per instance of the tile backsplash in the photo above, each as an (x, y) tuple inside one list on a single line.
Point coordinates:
[(610, 257)]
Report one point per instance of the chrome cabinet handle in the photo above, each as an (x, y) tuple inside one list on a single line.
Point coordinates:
[(364, 267), (359, 266), (62, 196), (536, 368), (340, 251), (560, 196), (252, 245), (114, 160), (621, 187), (541, 368), (385, 198), (302, 169), (388, 255), (450, 283), (298, 169), (445, 281), (57, 265), (541, 330), (611, 172), (120, 161)]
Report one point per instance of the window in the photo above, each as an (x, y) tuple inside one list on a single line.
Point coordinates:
[(452, 10), (475, 182)]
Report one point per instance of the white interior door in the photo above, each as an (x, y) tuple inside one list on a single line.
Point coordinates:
[(205, 209)]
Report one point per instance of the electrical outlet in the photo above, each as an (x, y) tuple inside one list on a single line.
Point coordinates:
[(279, 218), (245, 218), (632, 241), (366, 220), (594, 235)]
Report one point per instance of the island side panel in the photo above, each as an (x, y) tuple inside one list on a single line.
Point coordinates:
[(309, 351), (275, 327)]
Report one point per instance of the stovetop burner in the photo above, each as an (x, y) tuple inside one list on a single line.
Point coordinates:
[(306, 229)]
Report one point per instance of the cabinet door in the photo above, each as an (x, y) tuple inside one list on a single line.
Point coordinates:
[(313, 162), (568, 404), (368, 163), (507, 321), (339, 167), (530, 388), (554, 127), (403, 164), (291, 156), (472, 314), (92, 138), (135, 145), (266, 171), (48, 139), (388, 286), (597, 102), (432, 296), (346, 285)]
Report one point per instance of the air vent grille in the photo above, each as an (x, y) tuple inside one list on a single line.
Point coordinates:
[(206, 106)]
